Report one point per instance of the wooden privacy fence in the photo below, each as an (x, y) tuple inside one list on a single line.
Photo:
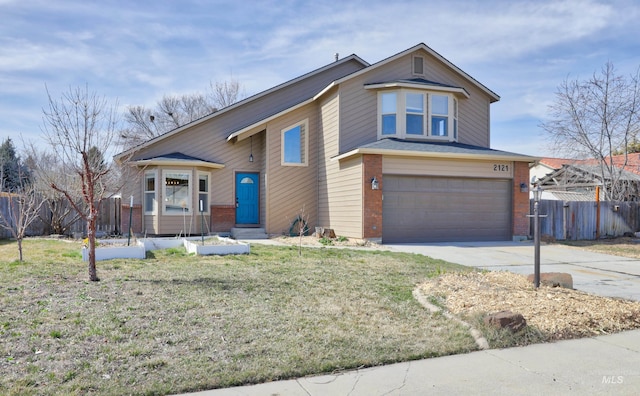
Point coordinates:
[(108, 219), (7, 215), (576, 220)]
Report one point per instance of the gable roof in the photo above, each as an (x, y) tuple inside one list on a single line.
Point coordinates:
[(630, 164), (413, 82), (584, 174), (494, 96), (314, 96), (556, 163), (243, 102), (393, 146)]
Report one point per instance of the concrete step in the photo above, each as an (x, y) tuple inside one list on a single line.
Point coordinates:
[(248, 233)]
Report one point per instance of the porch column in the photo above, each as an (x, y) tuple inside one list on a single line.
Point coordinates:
[(520, 200)]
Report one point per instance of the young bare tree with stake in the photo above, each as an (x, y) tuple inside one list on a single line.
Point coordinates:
[(23, 207), (82, 127)]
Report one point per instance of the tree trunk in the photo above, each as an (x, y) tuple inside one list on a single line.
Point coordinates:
[(91, 235), (20, 249)]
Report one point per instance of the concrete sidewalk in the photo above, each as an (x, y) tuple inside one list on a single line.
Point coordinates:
[(605, 365)]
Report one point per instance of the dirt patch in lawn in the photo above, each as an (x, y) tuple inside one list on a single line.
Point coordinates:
[(557, 313), (314, 241)]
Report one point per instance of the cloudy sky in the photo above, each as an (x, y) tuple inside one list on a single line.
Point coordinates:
[(137, 51)]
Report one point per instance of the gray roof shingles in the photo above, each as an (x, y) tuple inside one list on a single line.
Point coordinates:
[(437, 147)]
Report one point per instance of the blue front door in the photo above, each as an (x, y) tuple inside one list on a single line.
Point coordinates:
[(247, 198)]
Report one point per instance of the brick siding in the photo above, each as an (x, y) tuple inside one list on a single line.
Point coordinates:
[(520, 200), (223, 218), (136, 219), (372, 199)]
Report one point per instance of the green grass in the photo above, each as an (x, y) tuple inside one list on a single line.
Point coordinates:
[(175, 323)]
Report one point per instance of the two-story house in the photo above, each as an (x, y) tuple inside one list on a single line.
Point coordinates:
[(396, 151)]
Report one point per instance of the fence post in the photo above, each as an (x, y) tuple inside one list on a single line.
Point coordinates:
[(597, 212)]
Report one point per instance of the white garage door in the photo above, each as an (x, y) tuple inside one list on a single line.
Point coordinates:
[(439, 209)]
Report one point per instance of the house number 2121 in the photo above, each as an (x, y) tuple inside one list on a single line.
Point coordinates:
[(500, 168)]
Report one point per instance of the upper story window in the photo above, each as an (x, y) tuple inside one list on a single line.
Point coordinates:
[(414, 110), (295, 144), (389, 107), (408, 113), (439, 115)]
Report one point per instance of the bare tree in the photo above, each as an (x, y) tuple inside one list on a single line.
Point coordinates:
[(79, 125), (224, 93), (47, 169), (597, 118), (174, 111), (23, 206)]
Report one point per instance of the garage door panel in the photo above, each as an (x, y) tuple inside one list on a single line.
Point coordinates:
[(432, 209)]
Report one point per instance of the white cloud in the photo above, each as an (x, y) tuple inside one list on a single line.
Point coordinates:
[(141, 50)]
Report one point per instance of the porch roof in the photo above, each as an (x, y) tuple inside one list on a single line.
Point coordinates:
[(412, 148), (178, 159), (419, 83)]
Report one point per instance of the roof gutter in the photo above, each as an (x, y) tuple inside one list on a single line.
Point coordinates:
[(405, 153), (175, 162), (456, 90)]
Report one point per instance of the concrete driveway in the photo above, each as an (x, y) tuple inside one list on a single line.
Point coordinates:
[(595, 273)]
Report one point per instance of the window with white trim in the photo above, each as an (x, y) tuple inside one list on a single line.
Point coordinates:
[(389, 106), (407, 113), (439, 115), (177, 192), (455, 119), (414, 110), (295, 144), (203, 192), (150, 204)]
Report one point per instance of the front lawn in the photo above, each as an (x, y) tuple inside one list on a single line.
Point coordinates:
[(176, 323)]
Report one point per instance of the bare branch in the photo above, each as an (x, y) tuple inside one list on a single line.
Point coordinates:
[(82, 127), (174, 111), (597, 118)]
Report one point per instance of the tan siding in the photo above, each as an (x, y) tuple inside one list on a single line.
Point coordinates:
[(207, 140), (203, 144), (443, 167), (473, 113), (291, 188), (344, 197), (150, 225), (340, 183), (134, 187), (327, 147), (358, 106)]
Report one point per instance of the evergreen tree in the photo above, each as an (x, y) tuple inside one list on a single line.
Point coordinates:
[(13, 173)]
